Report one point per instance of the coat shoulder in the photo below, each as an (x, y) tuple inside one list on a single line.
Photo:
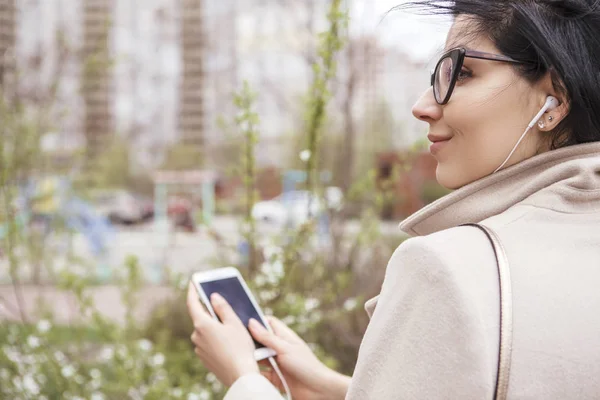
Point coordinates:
[(449, 251), (437, 315)]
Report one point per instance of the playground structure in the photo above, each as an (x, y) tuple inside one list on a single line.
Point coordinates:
[(41, 203), (51, 198), (200, 185)]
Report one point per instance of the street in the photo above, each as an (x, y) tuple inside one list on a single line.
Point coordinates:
[(155, 249)]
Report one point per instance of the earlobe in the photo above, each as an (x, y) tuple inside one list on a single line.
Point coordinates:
[(556, 116), (553, 86)]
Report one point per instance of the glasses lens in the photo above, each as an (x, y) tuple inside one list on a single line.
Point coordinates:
[(443, 76)]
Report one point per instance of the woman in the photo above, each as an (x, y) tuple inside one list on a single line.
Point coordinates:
[(434, 329)]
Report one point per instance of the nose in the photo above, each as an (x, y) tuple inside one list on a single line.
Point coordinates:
[(426, 108)]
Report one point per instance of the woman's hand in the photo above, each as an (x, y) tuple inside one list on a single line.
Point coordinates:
[(307, 377), (226, 348)]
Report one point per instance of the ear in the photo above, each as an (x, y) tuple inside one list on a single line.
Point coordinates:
[(552, 85)]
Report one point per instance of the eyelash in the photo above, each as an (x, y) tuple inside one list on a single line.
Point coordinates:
[(464, 74)]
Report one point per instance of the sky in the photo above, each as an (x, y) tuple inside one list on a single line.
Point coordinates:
[(419, 36)]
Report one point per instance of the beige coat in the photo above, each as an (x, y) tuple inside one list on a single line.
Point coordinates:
[(434, 327)]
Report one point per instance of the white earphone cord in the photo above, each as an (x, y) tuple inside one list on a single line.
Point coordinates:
[(513, 150), (280, 375), (551, 103)]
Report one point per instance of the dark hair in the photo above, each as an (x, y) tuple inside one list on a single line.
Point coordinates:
[(557, 36)]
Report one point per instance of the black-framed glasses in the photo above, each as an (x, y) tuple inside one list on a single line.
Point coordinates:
[(447, 70)]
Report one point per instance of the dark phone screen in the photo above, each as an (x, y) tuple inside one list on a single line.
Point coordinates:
[(232, 290)]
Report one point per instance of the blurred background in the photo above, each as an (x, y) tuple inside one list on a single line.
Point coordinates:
[(143, 140)]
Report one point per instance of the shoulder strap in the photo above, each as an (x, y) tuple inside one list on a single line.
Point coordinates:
[(504, 357)]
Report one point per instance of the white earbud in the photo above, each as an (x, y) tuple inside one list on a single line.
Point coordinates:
[(550, 104)]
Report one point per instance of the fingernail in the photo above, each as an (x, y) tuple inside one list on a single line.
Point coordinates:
[(216, 298), (254, 324)]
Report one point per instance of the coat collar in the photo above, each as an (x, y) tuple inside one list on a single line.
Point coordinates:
[(567, 180)]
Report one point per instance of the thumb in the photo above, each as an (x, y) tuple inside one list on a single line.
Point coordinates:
[(262, 335), (223, 309)]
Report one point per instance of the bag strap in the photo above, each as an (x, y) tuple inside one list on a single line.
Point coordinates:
[(506, 322)]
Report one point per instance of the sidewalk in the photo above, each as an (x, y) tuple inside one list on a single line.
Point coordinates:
[(107, 300)]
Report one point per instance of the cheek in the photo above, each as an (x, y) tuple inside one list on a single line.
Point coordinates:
[(480, 144)]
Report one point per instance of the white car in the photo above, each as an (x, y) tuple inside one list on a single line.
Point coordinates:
[(296, 207)]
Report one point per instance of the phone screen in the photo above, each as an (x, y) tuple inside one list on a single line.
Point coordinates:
[(232, 290)]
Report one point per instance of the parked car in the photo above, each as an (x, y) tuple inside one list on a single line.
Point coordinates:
[(147, 206), (119, 206), (296, 207)]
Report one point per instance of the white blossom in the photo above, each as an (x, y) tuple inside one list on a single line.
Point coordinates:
[(59, 356), (122, 351), (204, 395), (270, 251), (67, 371), (33, 342), (183, 283), (145, 345), (158, 359), (43, 326), (273, 271), (350, 304), (12, 354), (260, 280), (217, 386), (305, 155), (30, 385), (41, 378), (17, 383), (95, 384), (97, 396), (107, 354), (311, 303), (267, 295), (315, 316), (95, 373)]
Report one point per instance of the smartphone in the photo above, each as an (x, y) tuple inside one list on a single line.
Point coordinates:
[(230, 284)]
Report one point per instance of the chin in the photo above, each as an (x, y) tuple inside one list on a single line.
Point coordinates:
[(448, 178)]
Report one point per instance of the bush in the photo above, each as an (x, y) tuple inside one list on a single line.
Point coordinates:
[(100, 359)]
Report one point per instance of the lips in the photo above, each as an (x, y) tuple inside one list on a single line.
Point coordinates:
[(437, 143), (435, 138)]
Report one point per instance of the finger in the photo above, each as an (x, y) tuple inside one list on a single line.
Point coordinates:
[(193, 301), (262, 335), (199, 316), (196, 339), (199, 353), (224, 310), (283, 331)]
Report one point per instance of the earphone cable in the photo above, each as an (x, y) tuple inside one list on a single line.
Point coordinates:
[(280, 375), (513, 150)]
